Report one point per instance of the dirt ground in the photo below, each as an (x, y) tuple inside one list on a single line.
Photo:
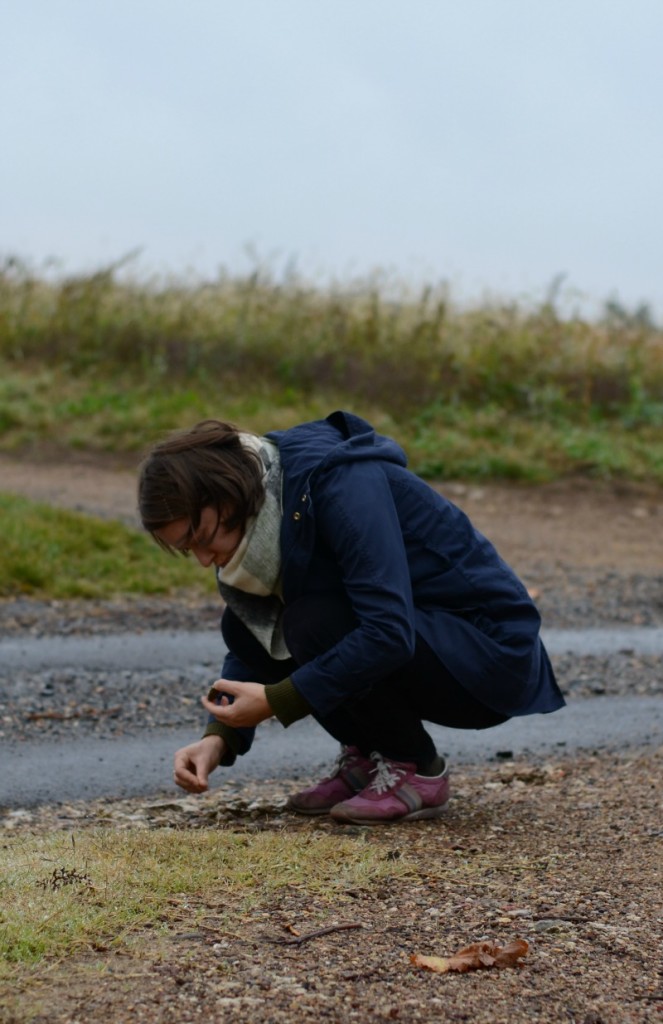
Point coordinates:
[(566, 853)]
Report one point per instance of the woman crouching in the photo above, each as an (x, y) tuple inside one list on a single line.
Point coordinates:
[(354, 593)]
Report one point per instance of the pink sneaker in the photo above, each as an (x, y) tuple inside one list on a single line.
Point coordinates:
[(351, 774), (396, 793)]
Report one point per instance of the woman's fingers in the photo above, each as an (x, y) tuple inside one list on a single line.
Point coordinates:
[(248, 707), (193, 764), (186, 776)]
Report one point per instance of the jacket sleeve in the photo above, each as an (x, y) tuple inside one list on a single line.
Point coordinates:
[(356, 517)]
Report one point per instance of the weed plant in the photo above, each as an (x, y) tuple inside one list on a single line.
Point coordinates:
[(105, 362)]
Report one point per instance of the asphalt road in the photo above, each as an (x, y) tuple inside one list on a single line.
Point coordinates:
[(41, 772), (164, 648), (32, 773)]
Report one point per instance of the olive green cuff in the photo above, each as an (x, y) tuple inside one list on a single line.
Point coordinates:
[(231, 738), (287, 702)]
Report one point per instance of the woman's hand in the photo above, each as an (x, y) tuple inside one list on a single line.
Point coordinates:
[(194, 763), (249, 707)]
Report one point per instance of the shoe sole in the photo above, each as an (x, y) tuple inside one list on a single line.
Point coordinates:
[(425, 812), (309, 811)]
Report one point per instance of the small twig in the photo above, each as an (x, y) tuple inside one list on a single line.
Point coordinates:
[(220, 932), (356, 975), (66, 716), (571, 918), (296, 940), (456, 881)]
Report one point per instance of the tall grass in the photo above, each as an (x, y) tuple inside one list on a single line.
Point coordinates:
[(412, 359)]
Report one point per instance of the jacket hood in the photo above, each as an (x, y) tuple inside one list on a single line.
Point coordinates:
[(342, 437)]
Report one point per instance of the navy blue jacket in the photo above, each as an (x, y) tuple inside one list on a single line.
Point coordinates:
[(356, 521)]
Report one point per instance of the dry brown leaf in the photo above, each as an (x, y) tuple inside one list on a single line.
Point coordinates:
[(509, 955), (474, 957)]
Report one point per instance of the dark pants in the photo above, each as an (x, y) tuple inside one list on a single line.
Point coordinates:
[(388, 717)]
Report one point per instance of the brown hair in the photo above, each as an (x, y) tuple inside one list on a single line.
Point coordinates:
[(204, 466)]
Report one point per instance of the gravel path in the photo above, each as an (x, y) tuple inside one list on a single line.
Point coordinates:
[(62, 702), (68, 702)]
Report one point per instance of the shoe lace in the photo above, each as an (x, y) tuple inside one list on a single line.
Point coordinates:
[(387, 774), (345, 757)]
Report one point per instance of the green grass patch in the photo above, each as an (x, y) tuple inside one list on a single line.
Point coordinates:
[(52, 553), (123, 415), (485, 444), (56, 900), (442, 440)]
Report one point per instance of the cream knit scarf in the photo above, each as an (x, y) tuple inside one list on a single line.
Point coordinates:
[(250, 583)]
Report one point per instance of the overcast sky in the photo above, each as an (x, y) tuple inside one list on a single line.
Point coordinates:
[(491, 143)]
